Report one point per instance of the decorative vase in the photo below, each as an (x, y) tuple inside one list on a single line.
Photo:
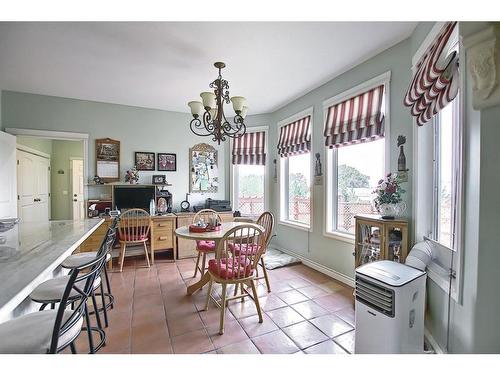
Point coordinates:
[(401, 160), (390, 210)]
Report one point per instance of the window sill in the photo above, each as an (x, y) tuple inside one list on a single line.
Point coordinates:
[(349, 238), (296, 225)]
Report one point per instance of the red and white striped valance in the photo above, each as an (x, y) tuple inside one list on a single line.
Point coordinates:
[(355, 120), (250, 149), (436, 80), (295, 138)]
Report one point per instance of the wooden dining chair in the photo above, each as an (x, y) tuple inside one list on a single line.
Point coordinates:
[(204, 247), (230, 269), (134, 228)]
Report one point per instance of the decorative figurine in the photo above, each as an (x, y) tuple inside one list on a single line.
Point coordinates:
[(402, 157), (98, 180)]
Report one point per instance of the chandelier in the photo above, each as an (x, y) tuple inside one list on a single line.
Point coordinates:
[(208, 116)]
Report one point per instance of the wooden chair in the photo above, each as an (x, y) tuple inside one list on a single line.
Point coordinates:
[(228, 268), (265, 220), (134, 228), (204, 247)]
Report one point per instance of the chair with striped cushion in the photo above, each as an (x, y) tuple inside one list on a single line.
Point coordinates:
[(231, 269), (134, 228), (204, 247)]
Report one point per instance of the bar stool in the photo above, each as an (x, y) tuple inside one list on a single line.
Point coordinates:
[(51, 291), (51, 331), (75, 260)]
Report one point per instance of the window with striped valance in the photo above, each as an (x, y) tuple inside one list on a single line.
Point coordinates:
[(295, 138), (250, 149), (436, 80), (357, 119)]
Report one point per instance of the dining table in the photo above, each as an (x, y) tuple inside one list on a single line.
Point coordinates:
[(216, 236)]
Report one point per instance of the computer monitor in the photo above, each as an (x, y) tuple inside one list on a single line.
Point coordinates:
[(126, 197)]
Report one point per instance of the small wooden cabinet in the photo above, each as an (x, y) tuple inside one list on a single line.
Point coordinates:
[(187, 248), (380, 239)]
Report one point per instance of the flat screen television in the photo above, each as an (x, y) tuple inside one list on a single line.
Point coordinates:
[(126, 197)]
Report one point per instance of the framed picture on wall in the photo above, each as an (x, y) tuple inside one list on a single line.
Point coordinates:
[(145, 161), (167, 162), (107, 159)]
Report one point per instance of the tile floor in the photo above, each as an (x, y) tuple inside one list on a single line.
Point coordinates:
[(306, 312)]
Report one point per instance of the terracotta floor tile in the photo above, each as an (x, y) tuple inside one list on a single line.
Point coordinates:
[(292, 296), (309, 309), (334, 302), (242, 309), (312, 291), (253, 328), (285, 316), (242, 347), (275, 343), (346, 341), (326, 347), (305, 334), (331, 325), (298, 283), (271, 302), (280, 286), (331, 286), (347, 315), (150, 338), (192, 342), (233, 333), (212, 316), (184, 324)]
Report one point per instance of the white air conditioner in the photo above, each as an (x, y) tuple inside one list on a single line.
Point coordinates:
[(389, 308)]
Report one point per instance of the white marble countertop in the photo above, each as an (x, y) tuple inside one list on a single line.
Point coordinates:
[(30, 252)]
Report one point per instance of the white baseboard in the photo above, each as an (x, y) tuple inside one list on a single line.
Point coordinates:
[(319, 267)]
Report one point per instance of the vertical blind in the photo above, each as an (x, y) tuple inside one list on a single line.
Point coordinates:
[(295, 138), (357, 119), (250, 149), (436, 80)]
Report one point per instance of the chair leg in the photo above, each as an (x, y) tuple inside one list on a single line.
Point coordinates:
[(203, 263), (197, 264), (108, 284), (96, 311), (256, 299), (73, 348), (242, 292), (235, 290), (210, 285), (89, 331), (223, 309), (122, 255), (104, 310), (266, 277), (146, 253)]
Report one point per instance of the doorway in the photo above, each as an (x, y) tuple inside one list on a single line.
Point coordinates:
[(77, 189)]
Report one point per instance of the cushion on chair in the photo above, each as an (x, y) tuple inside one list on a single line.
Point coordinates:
[(242, 268), (206, 246), (53, 289), (77, 260), (32, 333), (244, 249), (131, 237)]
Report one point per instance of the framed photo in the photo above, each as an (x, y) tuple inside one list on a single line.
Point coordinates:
[(145, 161), (159, 179), (107, 159), (167, 162)]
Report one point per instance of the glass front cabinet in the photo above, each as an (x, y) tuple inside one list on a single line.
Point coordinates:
[(380, 239)]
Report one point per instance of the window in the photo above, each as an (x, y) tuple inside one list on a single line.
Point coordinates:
[(446, 174), (249, 186), (296, 177), (249, 180), (294, 150), (356, 171)]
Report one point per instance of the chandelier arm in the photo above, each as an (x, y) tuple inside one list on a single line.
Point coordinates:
[(196, 124)]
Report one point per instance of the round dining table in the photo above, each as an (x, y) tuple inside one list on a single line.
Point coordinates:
[(216, 236)]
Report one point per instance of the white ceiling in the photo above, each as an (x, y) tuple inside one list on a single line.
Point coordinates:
[(166, 64)]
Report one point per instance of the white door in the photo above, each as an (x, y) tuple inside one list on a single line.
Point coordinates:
[(77, 189), (32, 187), (8, 206)]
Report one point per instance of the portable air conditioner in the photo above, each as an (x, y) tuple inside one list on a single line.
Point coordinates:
[(389, 308)]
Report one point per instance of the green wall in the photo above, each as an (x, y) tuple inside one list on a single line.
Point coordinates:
[(39, 144)]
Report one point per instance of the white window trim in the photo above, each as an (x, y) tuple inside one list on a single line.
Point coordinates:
[(281, 218), (435, 270), (385, 79), (233, 174)]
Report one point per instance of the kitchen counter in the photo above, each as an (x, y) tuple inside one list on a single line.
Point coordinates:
[(30, 253)]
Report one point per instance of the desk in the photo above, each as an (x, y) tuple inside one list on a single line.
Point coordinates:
[(216, 236)]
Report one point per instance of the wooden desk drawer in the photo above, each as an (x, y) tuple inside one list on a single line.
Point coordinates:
[(162, 241)]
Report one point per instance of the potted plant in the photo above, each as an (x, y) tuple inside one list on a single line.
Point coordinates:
[(132, 176), (388, 200)]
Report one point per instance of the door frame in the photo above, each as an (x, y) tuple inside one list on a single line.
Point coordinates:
[(71, 158), (60, 136)]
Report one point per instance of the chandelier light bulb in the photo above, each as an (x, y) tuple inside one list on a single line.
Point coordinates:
[(208, 100), (238, 103), (196, 108)]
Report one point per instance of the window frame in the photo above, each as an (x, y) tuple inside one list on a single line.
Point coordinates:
[(330, 190), (283, 171), (234, 170), (424, 176)]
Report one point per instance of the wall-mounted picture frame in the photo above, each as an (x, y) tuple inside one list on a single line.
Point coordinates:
[(159, 179), (167, 162), (145, 161), (204, 174), (107, 159)]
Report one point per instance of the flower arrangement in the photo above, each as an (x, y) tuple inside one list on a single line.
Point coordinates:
[(388, 190), (132, 175)]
